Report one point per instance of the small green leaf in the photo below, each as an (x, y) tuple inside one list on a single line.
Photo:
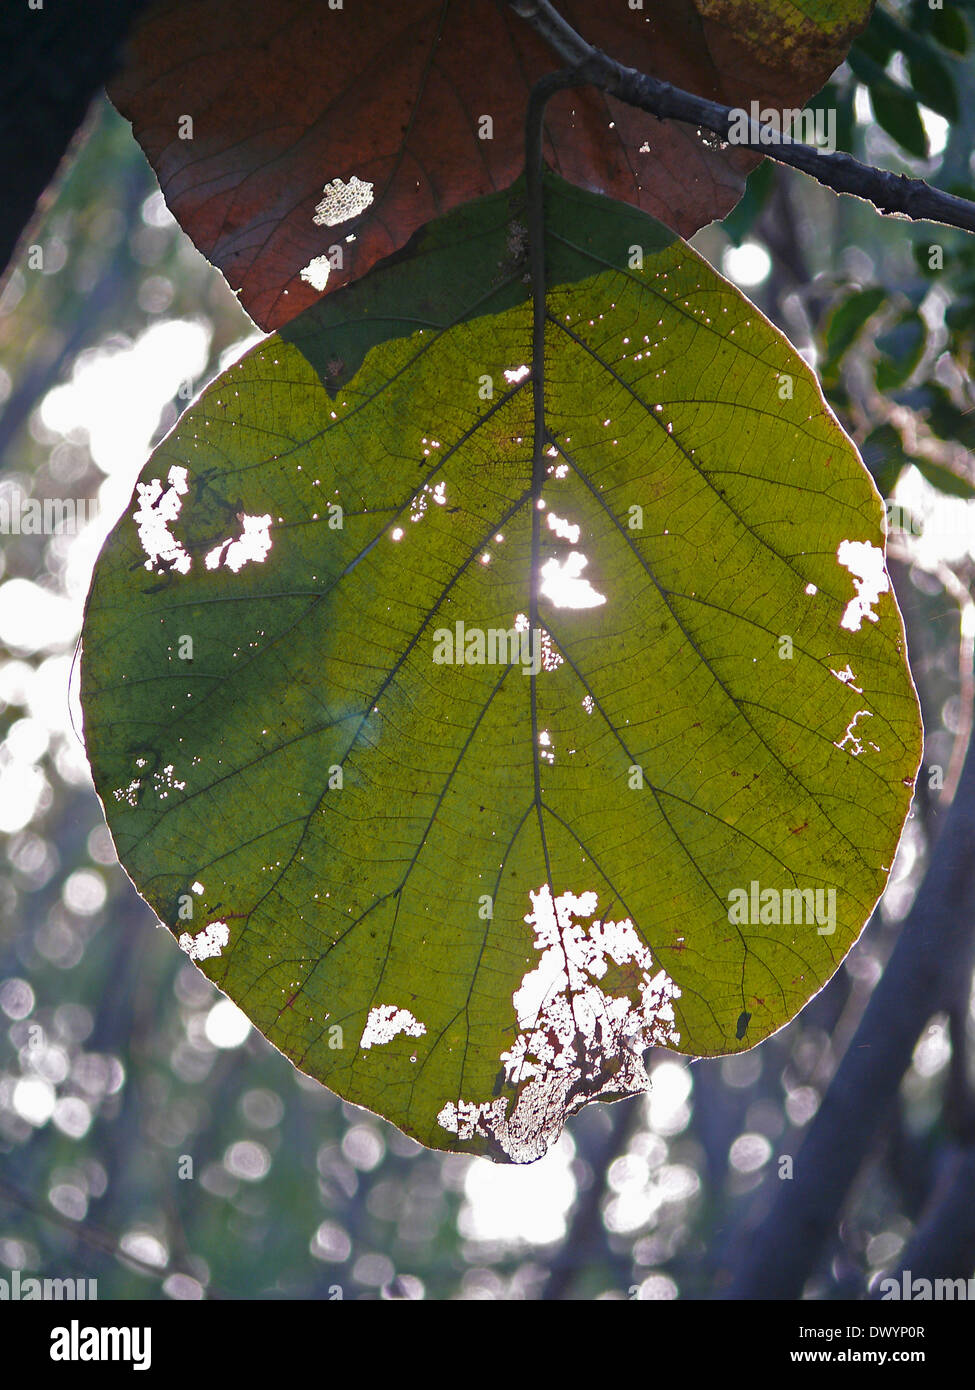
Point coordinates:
[(883, 453), (840, 97), (901, 349), (931, 80), (878, 41), (740, 221), (934, 85), (893, 105), (948, 27), (944, 479), (941, 414), (896, 112), (959, 317), (471, 763), (846, 321)]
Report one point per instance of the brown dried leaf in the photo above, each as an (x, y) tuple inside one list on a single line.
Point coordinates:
[(287, 98)]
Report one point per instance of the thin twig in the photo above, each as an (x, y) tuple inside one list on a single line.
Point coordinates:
[(966, 677), (890, 193), (932, 953), (84, 1233)]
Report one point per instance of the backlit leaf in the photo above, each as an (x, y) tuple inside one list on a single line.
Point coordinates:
[(469, 893)]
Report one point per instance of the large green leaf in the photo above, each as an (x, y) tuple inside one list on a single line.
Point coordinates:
[(466, 895)]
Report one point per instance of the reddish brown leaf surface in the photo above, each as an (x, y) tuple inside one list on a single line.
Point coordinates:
[(287, 97)]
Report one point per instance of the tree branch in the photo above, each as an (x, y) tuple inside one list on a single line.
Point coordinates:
[(586, 1243), (933, 952), (890, 193), (943, 1246)]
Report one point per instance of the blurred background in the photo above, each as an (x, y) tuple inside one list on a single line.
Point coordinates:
[(149, 1137)]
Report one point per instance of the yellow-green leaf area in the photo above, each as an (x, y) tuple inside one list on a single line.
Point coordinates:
[(473, 765)]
